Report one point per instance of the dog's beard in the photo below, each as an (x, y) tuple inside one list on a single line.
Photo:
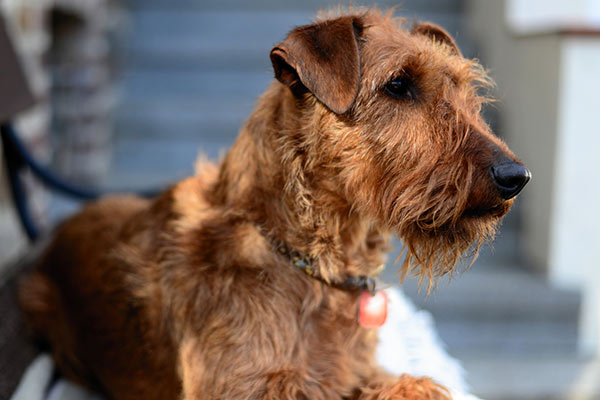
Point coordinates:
[(432, 254), (429, 216)]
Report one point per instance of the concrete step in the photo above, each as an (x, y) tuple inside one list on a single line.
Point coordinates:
[(216, 39), (505, 293), (496, 306), (158, 159), (501, 335), (207, 105), (546, 377), (231, 39), (223, 85), (501, 309), (442, 6)]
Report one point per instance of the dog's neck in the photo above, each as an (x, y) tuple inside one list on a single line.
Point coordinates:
[(267, 177)]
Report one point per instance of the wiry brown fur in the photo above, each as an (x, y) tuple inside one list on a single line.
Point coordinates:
[(185, 297)]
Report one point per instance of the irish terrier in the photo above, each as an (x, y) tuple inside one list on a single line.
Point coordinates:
[(254, 278)]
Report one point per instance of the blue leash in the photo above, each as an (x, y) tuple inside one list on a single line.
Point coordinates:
[(18, 157)]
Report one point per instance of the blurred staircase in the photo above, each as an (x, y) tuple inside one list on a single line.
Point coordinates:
[(191, 71), (515, 335)]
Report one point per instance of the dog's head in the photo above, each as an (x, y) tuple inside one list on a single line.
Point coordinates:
[(396, 129)]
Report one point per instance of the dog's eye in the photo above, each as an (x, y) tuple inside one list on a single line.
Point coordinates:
[(400, 88)]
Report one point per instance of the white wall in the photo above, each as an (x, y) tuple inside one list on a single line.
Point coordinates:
[(575, 224), (526, 71), (545, 55), (575, 239), (544, 16)]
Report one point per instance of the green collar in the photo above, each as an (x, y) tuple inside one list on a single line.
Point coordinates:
[(305, 264)]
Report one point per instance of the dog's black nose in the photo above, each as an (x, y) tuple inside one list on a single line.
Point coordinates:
[(510, 178)]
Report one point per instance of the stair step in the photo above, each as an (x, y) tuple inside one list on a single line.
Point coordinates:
[(199, 93), (235, 39), (546, 377), (159, 159), (505, 336), (496, 308), (446, 6), (208, 106), (498, 293), (219, 133), (230, 39)]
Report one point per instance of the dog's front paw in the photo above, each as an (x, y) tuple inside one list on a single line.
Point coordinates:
[(407, 387)]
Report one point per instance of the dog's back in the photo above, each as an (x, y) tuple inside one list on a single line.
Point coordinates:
[(79, 301)]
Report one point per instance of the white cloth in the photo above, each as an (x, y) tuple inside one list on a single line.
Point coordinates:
[(35, 380), (408, 344)]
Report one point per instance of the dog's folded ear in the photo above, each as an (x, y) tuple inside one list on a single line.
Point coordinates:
[(324, 57), (437, 33)]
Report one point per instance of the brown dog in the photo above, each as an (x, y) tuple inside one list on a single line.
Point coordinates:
[(242, 282)]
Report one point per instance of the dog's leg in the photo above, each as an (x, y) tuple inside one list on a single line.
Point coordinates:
[(42, 303), (405, 387), (280, 385), (204, 376)]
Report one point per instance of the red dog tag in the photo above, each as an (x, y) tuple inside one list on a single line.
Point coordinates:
[(372, 309)]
